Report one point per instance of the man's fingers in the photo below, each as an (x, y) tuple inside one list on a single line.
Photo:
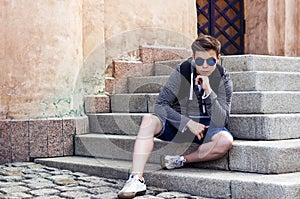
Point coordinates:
[(200, 136), (198, 80)]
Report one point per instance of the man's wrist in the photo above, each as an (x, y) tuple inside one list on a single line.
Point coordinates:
[(206, 93), (186, 127)]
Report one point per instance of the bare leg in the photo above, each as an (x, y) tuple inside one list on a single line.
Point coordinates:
[(144, 142), (218, 147)]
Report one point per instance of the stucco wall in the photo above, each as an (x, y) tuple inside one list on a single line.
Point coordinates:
[(55, 51)]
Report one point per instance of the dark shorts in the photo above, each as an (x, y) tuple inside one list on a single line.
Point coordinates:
[(170, 133)]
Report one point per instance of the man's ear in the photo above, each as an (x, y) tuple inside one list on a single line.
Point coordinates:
[(193, 63), (218, 58)]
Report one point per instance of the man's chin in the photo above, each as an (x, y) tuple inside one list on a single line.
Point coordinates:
[(204, 73)]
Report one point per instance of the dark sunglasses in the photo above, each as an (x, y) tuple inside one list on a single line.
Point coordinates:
[(210, 61)]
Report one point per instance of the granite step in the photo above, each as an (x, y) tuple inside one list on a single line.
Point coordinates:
[(242, 81), (242, 126), (279, 156), (261, 63), (253, 102), (200, 182), (238, 63)]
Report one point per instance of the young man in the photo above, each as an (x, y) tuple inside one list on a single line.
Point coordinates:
[(195, 101)]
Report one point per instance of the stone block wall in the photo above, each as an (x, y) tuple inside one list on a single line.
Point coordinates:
[(24, 139)]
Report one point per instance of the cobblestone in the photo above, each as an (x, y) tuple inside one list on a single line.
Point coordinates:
[(30, 180)]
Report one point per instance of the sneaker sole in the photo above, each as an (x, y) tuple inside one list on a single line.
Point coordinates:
[(163, 162), (129, 195)]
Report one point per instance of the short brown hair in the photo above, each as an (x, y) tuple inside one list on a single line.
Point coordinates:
[(205, 43)]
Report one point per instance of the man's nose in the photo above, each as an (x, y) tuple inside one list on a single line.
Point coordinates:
[(205, 65)]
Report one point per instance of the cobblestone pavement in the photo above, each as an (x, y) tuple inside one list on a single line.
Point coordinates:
[(30, 180)]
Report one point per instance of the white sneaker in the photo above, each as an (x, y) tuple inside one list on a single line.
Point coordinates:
[(133, 187), (172, 162)]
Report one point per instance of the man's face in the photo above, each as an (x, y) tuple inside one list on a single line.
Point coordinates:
[(206, 62)]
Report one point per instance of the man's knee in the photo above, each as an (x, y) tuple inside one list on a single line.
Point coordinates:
[(150, 121), (224, 141)]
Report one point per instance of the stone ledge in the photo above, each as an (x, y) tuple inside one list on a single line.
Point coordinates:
[(23, 139)]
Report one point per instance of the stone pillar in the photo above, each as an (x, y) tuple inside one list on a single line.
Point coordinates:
[(292, 29), (256, 36), (276, 27), (272, 27)]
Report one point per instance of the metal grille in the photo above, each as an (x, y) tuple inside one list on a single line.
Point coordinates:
[(223, 19)]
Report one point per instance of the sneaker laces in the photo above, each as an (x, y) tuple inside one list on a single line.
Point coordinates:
[(130, 182), (177, 161)]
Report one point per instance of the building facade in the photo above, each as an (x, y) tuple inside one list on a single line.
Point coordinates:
[(55, 52)]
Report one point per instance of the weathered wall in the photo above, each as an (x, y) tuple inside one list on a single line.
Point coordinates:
[(125, 25), (52, 52), (141, 22), (41, 54)]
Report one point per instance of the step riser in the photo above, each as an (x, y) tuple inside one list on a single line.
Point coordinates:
[(207, 187), (265, 157), (205, 183), (211, 187), (242, 102), (265, 81), (286, 102), (115, 124), (257, 127), (242, 81), (265, 127)]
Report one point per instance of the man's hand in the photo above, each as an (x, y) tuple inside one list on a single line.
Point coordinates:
[(196, 128), (204, 83)]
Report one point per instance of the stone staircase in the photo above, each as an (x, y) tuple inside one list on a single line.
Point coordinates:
[(265, 121)]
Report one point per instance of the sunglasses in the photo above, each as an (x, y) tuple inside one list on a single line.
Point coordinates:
[(210, 61)]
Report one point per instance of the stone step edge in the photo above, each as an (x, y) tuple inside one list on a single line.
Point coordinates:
[(258, 101), (242, 81), (266, 126), (254, 62), (240, 142), (232, 115), (214, 183), (230, 72)]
